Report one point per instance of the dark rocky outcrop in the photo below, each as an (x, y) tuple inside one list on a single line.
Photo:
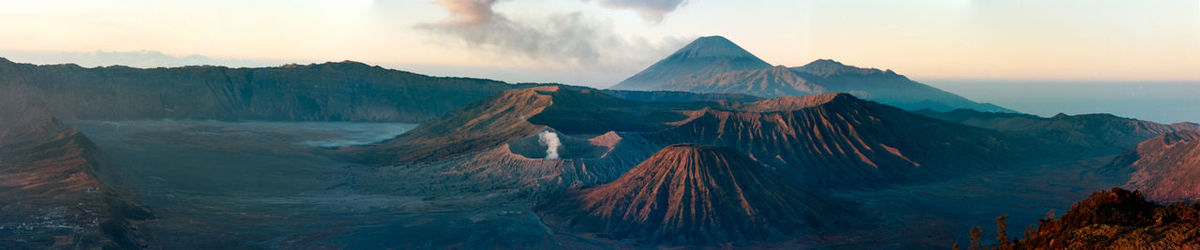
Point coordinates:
[(1117, 219)]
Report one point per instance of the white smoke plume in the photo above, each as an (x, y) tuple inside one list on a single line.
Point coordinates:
[(550, 140), (570, 39)]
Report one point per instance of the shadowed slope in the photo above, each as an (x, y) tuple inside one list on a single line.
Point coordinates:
[(690, 194), (1165, 168)]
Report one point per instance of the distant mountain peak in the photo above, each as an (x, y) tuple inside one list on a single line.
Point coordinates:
[(828, 67), (712, 46), (825, 63), (703, 58)]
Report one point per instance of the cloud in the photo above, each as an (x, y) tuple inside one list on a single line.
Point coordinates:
[(565, 38), (651, 10)]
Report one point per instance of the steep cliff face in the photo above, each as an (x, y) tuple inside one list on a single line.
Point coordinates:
[(50, 196), (344, 91), (1089, 134), (839, 140), (690, 194), (1165, 168)]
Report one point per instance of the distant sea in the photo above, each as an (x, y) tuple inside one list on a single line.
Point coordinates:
[(1164, 102)]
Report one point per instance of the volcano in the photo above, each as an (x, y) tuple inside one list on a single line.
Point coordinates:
[(690, 194), (702, 58), (714, 64)]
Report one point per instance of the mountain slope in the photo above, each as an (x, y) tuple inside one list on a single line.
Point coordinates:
[(1165, 168), (343, 91), (690, 194), (769, 82), (837, 140), (702, 58)]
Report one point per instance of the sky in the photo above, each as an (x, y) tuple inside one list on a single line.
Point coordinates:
[(600, 42)]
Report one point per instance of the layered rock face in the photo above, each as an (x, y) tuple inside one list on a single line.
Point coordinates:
[(690, 194)]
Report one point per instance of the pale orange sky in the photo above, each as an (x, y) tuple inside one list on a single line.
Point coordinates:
[(598, 43)]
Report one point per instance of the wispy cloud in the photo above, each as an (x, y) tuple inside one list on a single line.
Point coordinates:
[(651, 10), (563, 38)]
